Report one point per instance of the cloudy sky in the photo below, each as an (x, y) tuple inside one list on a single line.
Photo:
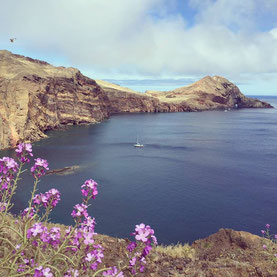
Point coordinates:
[(140, 43)]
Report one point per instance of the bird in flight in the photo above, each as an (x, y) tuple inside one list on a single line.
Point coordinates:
[(12, 39)]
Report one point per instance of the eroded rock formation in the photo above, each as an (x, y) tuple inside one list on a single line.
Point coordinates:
[(35, 97)]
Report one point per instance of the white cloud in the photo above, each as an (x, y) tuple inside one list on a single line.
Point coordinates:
[(140, 37)]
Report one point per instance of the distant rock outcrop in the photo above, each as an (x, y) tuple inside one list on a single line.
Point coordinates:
[(209, 93), (36, 96)]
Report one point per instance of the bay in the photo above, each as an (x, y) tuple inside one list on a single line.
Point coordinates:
[(198, 172)]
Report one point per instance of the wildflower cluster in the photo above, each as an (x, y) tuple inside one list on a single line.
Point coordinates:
[(271, 244), (9, 169), (40, 167), (89, 189), (37, 248), (145, 240), (24, 152)]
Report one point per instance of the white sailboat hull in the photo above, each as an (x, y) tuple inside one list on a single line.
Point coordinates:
[(138, 145)]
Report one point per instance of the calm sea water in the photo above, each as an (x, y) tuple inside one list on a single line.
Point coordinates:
[(198, 172)]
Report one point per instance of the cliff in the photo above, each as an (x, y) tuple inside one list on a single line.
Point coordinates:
[(36, 96)]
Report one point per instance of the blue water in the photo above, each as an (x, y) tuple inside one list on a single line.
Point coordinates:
[(198, 172)]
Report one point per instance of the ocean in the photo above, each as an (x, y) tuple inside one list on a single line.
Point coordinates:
[(198, 172)]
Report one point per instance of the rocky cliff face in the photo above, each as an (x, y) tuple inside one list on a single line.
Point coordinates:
[(36, 96)]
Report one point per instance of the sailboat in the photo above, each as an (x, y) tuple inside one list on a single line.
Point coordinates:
[(138, 144)]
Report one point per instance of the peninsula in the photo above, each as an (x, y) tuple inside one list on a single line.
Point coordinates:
[(36, 96)]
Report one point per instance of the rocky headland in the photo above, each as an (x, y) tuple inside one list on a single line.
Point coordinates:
[(36, 96)]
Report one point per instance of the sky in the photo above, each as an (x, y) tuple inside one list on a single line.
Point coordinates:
[(148, 44)]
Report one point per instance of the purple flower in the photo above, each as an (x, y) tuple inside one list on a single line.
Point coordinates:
[(80, 210), (143, 233), (131, 246), (49, 199), (88, 224), (94, 257), (88, 238), (36, 229), (89, 188), (133, 261), (8, 163), (264, 246), (113, 272), (267, 226), (146, 250), (275, 236), (8, 167), (47, 272), (39, 168), (89, 257), (263, 232), (24, 150), (53, 197), (26, 211), (40, 271), (72, 273)]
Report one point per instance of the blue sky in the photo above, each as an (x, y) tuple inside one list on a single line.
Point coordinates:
[(171, 42)]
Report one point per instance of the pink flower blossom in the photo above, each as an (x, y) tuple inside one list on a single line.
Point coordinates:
[(40, 167), (36, 229), (23, 151), (113, 272), (49, 199), (79, 210), (131, 246), (40, 271), (8, 166), (88, 238), (31, 212), (47, 272), (143, 233), (89, 189), (133, 261)]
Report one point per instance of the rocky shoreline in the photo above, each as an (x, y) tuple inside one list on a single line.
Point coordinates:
[(36, 97)]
